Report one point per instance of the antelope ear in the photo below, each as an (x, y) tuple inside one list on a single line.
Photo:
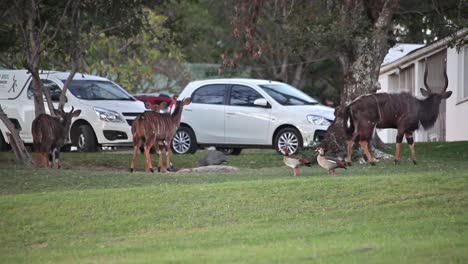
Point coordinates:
[(424, 92), (76, 113), (147, 105), (174, 98), (187, 100), (446, 94)]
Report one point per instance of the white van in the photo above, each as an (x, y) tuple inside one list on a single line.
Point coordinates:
[(107, 110)]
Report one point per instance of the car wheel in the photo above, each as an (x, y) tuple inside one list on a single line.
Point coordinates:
[(290, 138), (86, 139), (230, 151), (3, 145), (184, 141)]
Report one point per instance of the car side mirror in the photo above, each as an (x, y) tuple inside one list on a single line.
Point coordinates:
[(261, 102)]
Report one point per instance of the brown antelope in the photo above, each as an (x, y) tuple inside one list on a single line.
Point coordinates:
[(152, 128), (50, 134), (401, 111), (156, 108)]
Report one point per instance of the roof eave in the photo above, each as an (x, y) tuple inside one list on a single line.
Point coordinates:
[(432, 48)]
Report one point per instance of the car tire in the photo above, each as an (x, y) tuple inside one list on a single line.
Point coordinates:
[(86, 140), (289, 137), (3, 145), (184, 141), (230, 151)]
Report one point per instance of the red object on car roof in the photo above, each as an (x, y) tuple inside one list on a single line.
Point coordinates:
[(153, 99)]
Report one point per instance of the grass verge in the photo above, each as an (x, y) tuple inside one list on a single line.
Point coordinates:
[(93, 211)]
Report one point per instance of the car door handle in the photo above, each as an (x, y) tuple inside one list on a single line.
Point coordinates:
[(229, 113), (190, 110)]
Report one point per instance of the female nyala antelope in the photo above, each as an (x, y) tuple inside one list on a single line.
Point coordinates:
[(152, 128), (401, 111), (50, 134)]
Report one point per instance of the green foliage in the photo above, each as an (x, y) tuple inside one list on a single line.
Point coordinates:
[(428, 21), (64, 26), (201, 28), (102, 214), (127, 61)]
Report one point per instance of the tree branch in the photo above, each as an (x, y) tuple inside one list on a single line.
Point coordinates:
[(16, 143), (386, 14), (58, 26)]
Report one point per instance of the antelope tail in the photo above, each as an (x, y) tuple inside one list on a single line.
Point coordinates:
[(348, 124)]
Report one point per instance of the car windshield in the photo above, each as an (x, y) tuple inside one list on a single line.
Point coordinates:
[(97, 90), (287, 95)]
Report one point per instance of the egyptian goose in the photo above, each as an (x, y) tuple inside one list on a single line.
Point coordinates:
[(293, 162), (329, 163)]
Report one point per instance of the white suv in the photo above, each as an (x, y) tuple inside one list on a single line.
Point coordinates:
[(249, 113)]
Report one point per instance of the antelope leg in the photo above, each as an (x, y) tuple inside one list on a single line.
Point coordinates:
[(57, 158), (410, 140), (365, 147), (413, 153), (349, 149), (37, 158), (149, 165), (397, 153), (160, 161), (135, 153), (168, 156), (44, 159), (399, 139)]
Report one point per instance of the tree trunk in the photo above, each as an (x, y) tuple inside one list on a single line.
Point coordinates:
[(37, 93), (16, 143), (361, 74), (32, 55), (360, 58), (67, 84), (50, 105)]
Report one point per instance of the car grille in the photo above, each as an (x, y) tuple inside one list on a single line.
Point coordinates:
[(129, 117), (130, 114)]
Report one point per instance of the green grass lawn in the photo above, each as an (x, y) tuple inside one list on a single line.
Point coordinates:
[(94, 211)]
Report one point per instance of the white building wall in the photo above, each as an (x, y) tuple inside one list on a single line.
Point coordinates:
[(457, 104), (420, 135), (386, 135)]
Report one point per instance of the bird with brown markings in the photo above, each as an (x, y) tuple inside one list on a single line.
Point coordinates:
[(328, 163), (293, 161)]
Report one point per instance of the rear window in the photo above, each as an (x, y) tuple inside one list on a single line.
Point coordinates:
[(209, 94)]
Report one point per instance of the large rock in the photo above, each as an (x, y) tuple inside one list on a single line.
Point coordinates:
[(213, 157), (211, 168)]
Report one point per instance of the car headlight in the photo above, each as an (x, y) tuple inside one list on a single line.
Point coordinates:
[(108, 115), (318, 120)]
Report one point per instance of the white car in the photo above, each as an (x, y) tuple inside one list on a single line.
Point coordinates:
[(248, 113), (107, 110)]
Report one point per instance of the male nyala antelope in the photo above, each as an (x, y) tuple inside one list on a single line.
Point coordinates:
[(401, 111), (152, 128), (50, 134)]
